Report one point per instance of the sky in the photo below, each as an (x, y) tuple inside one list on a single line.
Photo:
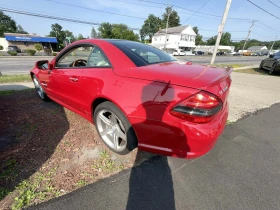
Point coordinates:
[(138, 10)]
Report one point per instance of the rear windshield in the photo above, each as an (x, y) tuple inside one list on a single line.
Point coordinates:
[(142, 54)]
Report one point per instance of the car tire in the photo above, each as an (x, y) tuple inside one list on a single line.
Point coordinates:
[(261, 65), (39, 89), (272, 69), (114, 129)]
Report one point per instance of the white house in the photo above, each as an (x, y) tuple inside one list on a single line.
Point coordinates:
[(180, 37), (210, 48), (257, 48)]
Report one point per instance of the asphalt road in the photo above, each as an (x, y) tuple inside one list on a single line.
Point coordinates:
[(22, 65), (241, 172)]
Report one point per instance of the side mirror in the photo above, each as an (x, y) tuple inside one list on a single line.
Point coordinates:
[(44, 64)]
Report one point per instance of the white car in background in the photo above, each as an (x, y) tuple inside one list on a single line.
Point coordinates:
[(178, 52)]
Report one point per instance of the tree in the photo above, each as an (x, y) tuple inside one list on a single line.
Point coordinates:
[(198, 39), (57, 32), (79, 37), (117, 31), (105, 30), (7, 24), (38, 47), (174, 19), (69, 34), (21, 30), (150, 27), (94, 34), (225, 39)]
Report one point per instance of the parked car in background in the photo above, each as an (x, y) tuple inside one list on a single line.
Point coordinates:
[(199, 53), (137, 95), (220, 53), (246, 53), (237, 54), (14, 49), (178, 52), (272, 63)]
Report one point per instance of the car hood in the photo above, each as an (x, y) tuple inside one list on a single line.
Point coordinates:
[(177, 73)]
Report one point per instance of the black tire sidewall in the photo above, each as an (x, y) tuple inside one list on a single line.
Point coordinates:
[(130, 134), (272, 70)]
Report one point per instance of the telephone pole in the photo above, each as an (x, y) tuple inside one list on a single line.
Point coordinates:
[(272, 45), (220, 32), (250, 29), (168, 15)]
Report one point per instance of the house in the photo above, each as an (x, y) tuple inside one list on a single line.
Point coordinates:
[(26, 41), (180, 37), (257, 48), (210, 48)]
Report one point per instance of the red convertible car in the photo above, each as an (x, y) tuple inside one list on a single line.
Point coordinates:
[(137, 95)]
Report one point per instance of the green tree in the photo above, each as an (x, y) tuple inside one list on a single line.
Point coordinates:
[(94, 34), (105, 30), (79, 37), (38, 47), (151, 25), (21, 30), (7, 24), (174, 19), (198, 39), (57, 32), (69, 34), (225, 39)]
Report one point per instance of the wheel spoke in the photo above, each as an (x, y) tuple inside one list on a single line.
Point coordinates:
[(121, 135), (113, 119), (115, 140), (104, 119), (106, 132)]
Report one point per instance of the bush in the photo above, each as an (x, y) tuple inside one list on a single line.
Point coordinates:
[(38, 47), (31, 52), (1, 47), (12, 53), (54, 54)]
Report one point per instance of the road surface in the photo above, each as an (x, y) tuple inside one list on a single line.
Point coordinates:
[(22, 65), (241, 172)]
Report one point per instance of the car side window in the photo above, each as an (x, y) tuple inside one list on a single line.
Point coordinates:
[(75, 58), (97, 59)]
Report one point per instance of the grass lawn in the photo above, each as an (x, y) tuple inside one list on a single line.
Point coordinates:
[(235, 65), (15, 78), (254, 71)]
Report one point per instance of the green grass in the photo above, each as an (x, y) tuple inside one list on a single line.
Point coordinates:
[(3, 192), (106, 164), (6, 92), (236, 65), (15, 78)]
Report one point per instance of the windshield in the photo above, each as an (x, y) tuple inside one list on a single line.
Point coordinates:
[(142, 54)]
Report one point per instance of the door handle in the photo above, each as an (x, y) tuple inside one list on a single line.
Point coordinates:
[(73, 79)]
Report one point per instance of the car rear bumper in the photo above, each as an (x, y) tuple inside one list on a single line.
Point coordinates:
[(183, 139)]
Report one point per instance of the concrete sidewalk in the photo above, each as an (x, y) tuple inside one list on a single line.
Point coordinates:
[(246, 67)]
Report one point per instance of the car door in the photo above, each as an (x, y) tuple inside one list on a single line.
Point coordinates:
[(92, 81), (64, 78)]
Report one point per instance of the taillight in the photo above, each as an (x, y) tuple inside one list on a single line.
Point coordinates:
[(198, 108)]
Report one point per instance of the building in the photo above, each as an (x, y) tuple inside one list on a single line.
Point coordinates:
[(180, 37), (210, 48), (27, 41), (257, 48)]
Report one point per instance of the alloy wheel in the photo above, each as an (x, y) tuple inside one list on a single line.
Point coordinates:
[(111, 130), (38, 87)]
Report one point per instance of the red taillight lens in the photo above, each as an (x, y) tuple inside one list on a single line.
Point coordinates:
[(199, 108)]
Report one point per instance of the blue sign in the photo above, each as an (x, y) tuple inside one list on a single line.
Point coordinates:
[(31, 39)]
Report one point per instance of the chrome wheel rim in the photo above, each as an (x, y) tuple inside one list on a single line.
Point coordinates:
[(111, 130), (38, 87)]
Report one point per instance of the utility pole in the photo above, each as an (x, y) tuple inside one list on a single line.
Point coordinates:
[(250, 29), (272, 45), (220, 32), (168, 15)]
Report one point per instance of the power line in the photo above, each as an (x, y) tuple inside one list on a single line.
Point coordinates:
[(144, 5), (56, 17), (264, 10), (197, 11), (268, 26), (72, 5), (273, 3)]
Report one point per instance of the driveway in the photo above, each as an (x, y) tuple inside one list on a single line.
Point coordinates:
[(241, 172)]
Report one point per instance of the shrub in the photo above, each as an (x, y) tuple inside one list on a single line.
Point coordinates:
[(31, 52), (54, 54), (38, 47), (12, 53), (1, 47)]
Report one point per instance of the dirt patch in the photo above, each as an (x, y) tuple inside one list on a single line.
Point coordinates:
[(47, 151)]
